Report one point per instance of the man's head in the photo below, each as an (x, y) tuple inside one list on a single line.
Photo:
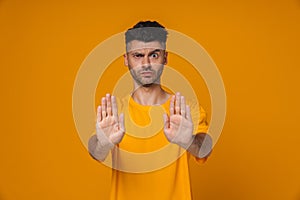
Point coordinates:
[(145, 52)]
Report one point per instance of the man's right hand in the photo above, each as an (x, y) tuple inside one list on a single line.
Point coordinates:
[(109, 127)]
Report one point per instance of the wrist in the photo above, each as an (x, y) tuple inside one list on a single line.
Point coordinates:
[(104, 143), (188, 142)]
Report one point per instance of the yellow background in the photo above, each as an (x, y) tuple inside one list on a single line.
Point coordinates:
[(255, 44)]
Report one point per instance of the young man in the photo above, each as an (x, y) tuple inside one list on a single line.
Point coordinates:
[(145, 57)]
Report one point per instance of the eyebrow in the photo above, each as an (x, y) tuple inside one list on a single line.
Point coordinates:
[(151, 52), (155, 50)]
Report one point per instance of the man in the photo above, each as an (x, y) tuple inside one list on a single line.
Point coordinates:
[(145, 57)]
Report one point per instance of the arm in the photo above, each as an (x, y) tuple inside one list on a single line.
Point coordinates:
[(97, 150), (109, 129), (201, 146), (179, 128)]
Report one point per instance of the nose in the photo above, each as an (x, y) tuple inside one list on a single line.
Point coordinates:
[(146, 61)]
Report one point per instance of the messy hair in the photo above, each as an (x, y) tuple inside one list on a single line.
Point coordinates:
[(147, 31)]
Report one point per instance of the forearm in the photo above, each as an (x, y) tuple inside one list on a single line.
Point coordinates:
[(97, 150), (201, 146)]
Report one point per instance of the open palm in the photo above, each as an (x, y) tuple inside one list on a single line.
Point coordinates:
[(178, 127), (109, 127)]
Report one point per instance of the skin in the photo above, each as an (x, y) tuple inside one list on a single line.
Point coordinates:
[(146, 61)]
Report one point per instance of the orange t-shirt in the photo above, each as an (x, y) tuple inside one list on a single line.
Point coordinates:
[(146, 165)]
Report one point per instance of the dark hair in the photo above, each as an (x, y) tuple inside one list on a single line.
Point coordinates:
[(146, 31)]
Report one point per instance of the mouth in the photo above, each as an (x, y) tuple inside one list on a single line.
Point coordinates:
[(147, 73)]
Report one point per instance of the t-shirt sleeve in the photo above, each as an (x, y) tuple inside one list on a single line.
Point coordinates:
[(199, 118)]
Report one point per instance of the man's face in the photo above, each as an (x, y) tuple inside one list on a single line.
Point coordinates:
[(145, 61)]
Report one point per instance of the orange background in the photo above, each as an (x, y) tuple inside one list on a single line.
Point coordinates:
[(254, 43)]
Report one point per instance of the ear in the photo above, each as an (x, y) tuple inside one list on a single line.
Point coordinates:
[(166, 58), (125, 59)]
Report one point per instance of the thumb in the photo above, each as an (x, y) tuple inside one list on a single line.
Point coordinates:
[(121, 122)]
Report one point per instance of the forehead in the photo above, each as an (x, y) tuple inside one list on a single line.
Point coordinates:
[(136, 45)]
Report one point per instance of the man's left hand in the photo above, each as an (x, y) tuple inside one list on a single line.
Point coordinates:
[(178, 127)]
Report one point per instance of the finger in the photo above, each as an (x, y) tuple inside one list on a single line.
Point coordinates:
[(166, 121), (103, 107), (177, 103), (114, 106), (99, 114), (121, 122), (182, 107), (188, 113), (172, 101), (108, 105)]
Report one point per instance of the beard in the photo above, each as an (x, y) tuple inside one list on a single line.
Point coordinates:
[(146, 76)]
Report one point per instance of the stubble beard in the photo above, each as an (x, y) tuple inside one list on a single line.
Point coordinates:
[(146, 82)]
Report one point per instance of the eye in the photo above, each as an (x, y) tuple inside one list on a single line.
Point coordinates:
[(138, 55), (154, 55)]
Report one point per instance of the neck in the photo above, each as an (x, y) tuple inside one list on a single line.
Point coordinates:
[(150, 95)]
